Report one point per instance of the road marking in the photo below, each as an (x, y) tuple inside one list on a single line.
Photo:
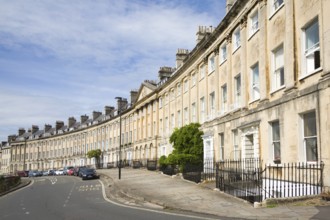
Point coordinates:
[(85, 188), (53, 180), (69, 196), (27, 213)]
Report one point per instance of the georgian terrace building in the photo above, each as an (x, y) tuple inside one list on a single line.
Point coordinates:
[(259, 83)]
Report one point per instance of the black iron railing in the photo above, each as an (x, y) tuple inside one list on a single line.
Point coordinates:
[(209, 170), (292, 179), (247, 179)]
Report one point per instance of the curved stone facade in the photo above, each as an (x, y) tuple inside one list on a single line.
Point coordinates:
[(258, 83)]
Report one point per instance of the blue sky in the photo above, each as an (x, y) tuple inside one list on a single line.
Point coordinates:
[(68, 58)]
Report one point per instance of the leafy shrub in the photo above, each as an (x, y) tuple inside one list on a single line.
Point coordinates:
[(188, 146), (163, 162)]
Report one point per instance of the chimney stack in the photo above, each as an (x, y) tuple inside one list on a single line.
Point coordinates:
[(47, 128), (59, 125), (134, 97), (71, 121), (11, 138), (83, 119), (202, 32), (121, 104), (181, 55), (21, 131), (109, 110), (165, 73), (35, 128), (96, 115)]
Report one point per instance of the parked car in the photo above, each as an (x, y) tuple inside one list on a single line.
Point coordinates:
[(66, 169), (77, 170), (88, 173), (24, 173), (70, 172), (59, 172), (45, 173), (51, 172), (34, 173)]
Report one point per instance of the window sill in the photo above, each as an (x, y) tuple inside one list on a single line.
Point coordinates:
[(236, 49), (275, 12), (311, 73), (277, 89), (255, 100), (211, 72), (254, 33), (222, 62)]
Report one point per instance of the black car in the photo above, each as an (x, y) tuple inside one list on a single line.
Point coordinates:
[(88, 173), (51, 173), (77, 170)]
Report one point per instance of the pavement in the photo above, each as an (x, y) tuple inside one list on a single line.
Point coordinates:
[(158, 191)]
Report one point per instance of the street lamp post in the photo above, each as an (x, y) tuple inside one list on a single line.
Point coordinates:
[(24, 153), (119, 112), (119, 171)]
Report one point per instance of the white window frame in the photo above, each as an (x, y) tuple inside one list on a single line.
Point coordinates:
[(186, 115), (193, 112), (238, 90), (172, 94), (278, 77), (255, 82), (166, 129), (202, 109), (211, 64), (275, 5), (223, 53), (224, 98), (236, 39), (179, 118), (221, 147), (212, 104), (274, 142), (166, 98), (310, 64), (161, 126), (178, 86), (236, 152), (193, 79), (185, 85), (305, 138), (202, 71), (160, 102), (172, 121), (254, 23)]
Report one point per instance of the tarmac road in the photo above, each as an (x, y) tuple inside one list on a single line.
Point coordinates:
[(66, 197)]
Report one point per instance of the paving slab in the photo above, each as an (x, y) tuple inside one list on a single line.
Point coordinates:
[(173, 192)]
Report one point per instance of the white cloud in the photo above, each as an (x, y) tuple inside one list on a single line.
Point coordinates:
[(81, 54)]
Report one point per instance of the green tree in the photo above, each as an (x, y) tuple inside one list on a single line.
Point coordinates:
[(96, 154), (188, 145)]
